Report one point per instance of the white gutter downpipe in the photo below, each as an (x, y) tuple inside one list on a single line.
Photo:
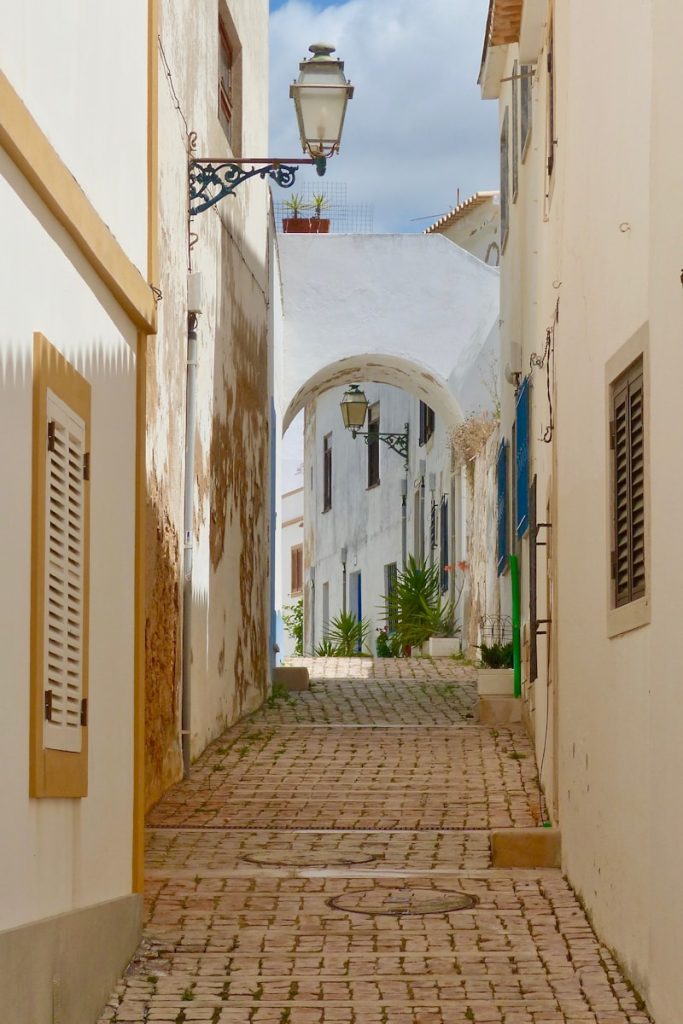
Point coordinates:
[(194, 308)]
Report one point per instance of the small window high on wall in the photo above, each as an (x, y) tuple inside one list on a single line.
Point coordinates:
[(627, 440), (297, 569), (427, 422), (373, 445)]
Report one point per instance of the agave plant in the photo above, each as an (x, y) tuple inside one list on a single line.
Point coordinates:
[(416, 608), (348, 635), (295, 204)]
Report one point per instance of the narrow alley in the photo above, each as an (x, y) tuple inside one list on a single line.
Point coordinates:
[(329, 860)]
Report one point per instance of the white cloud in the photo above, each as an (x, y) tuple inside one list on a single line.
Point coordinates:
[(416, 129)]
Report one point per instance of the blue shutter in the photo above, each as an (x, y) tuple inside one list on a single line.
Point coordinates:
[(522, 457), (444, 543), (502, 480)]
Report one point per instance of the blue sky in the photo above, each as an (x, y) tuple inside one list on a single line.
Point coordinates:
[(416, 130)]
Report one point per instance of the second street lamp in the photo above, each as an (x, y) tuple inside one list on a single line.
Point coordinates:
[(320, 96), (354, 407)]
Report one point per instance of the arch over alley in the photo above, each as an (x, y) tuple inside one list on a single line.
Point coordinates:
[(414, 311)]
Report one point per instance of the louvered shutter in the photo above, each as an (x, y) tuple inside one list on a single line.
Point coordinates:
[(522, 456), (628, 443), (64, 576), (502, 484)]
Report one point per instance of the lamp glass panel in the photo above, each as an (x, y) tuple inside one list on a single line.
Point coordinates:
[(321, 113), (353, 410)]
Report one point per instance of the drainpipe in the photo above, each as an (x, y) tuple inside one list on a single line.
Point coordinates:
[(404, 521), (516, 625), (194, 293)]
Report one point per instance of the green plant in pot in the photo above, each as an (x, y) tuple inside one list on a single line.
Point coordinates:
[(319, 203), (295, 204), (497, 655), (416, 606)]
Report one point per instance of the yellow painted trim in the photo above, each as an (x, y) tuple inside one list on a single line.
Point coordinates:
[(43, 168), (53, 773), (138, 851)]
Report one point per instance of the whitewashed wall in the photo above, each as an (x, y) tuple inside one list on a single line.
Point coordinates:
[(61, 855), (606, 244), (291, 533), (367, 521)]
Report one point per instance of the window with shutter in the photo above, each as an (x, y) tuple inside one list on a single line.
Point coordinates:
[(64, 522), (522, 457), (443, 561), (327, 473), (297, 569), (373, 445), (628, 483), (60, 576), (502, 511)]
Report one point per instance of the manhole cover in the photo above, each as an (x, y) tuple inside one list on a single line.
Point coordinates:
[(307, 858), (397, 902)]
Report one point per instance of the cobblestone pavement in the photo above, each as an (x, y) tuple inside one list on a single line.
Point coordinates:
[(338, 872)]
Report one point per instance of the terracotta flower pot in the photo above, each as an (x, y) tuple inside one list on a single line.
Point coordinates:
[(305, 225)]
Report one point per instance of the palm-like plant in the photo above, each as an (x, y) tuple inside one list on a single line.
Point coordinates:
[(416, 608), (348, 635)]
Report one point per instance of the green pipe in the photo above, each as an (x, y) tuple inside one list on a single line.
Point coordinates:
[(516, 624)]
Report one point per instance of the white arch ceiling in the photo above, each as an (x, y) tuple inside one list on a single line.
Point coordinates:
[(415, 311)]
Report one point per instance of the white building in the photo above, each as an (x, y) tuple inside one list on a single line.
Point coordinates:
[(398, 302), (365, 512), (591, 315), (474, 225), (290, 563), (76, 213)]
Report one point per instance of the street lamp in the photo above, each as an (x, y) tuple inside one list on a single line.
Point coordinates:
[(320, 96), (354, 407)]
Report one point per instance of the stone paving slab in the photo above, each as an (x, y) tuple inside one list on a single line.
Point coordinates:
[(442, 778), (429, 696), (169, 851), (524, 951), (374, 792)]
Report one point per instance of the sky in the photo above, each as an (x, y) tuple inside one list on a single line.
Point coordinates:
[(416, 129)]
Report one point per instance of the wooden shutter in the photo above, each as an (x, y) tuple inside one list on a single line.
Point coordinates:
[(502, 484), (327, 474), (444, 543), (628, 474), (64, 576), (522, 423)]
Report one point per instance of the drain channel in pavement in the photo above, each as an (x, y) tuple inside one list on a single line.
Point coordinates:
[(400, 902)]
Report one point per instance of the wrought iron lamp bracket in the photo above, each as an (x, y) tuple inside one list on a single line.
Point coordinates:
[(212, 180), (397, 442)]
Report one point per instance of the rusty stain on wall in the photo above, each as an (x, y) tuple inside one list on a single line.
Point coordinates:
[(163, 764), (239, 516)]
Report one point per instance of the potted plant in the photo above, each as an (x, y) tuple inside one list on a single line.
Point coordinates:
[(416, 607), (319, 204), (296, 224), (496, 677)]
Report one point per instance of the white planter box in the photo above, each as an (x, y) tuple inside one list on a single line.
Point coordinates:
[(442, 646), (496, 682)]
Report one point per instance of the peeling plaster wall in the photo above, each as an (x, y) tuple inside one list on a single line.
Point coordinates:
[(485, 595), (230, 608)]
